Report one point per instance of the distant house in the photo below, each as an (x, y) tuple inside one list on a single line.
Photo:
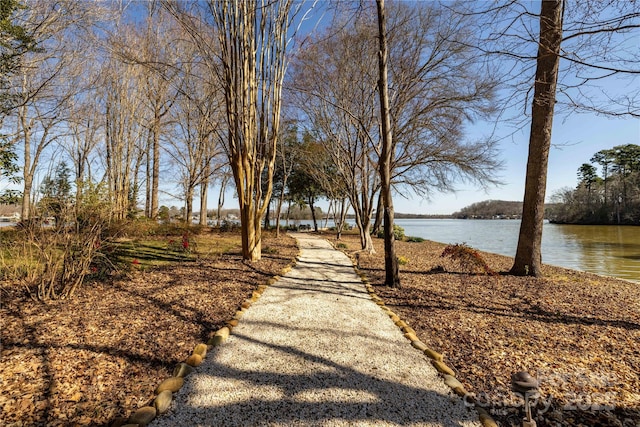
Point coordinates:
[(9, 213)]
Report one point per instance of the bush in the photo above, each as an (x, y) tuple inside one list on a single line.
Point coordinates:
[(341, 245), (185, 244), (467, 258), (228, 226), (53, 262), (413, 239), (398, 232)]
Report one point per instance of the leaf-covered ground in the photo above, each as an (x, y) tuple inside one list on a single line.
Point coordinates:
[(99, 356), (578, 333)]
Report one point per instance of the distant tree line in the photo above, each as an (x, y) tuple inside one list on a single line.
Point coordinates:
[(488, 209), (608, 190)]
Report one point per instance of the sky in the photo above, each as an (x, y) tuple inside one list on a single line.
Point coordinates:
[(574, 141)]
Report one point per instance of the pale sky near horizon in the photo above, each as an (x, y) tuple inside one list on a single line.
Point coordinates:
[(575, 140)]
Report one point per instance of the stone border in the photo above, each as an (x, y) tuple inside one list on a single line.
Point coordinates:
[(164, 391), (437, 359)]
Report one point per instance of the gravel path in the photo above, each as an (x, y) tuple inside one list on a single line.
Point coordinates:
[(315, 350)]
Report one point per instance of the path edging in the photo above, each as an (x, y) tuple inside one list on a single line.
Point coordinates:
[(437, 359), (163, 394)]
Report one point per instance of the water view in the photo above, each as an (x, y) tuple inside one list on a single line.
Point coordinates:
[(606, 250)]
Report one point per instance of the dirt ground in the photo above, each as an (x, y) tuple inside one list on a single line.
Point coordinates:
[(578, 333), (99, 356)]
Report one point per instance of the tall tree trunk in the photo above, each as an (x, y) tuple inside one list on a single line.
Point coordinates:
[(528, 260), (279, 212), (267, 215), (313, 214), (392, 277), (188, 212), (204, 186), (147, 174), (379, 215), (155, 174), (27, 176)]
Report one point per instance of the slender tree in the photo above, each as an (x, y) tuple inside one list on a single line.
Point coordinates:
[(528, 258), (253, 40), (392, 277)]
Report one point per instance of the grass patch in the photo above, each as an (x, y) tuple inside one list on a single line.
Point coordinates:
[(156, 251)]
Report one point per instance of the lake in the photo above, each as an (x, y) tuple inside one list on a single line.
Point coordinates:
[(602, 249), (608, 250)]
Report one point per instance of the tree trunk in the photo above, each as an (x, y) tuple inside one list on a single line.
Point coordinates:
[(528, 260), (392, 277), (155, 173), (204, 186), (267, 214), (188, 212), (313, 215), (279, 213), (251, 233), (379, 214), (27, 176)]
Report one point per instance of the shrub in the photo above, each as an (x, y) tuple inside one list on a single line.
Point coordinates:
[(413, 239), (228, 226), (398, 232), (403, 260), (341, 245), (53, 262), (467, 258), (186, 244)]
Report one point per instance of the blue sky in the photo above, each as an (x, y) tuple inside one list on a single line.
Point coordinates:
[(575, 139)]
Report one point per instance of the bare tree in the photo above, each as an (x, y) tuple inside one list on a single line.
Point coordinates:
[(392, 277), (437, 84), (44, 85), (333, 83), (158, 54), (253, 40), (124, 133), (192, 144), (86, 129), (287, 157)]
